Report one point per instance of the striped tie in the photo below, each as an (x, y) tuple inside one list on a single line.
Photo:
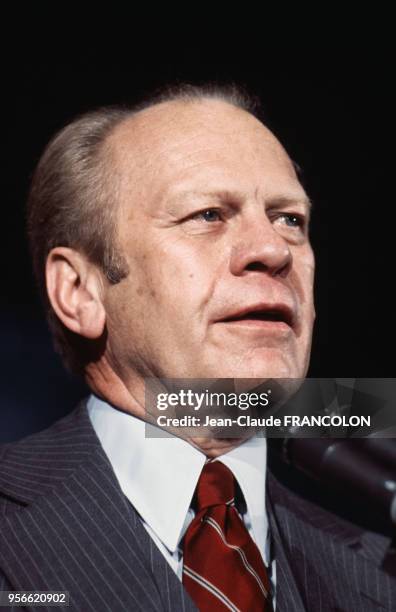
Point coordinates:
[(222, 566)]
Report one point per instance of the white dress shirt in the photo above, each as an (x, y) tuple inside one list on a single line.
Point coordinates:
[(159, 476)]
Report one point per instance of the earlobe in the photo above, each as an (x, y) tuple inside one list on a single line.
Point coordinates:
[(74, 290)]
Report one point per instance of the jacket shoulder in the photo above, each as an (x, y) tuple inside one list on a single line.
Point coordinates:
[(32, 466)]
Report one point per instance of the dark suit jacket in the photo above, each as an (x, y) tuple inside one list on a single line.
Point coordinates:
[(66, 525)]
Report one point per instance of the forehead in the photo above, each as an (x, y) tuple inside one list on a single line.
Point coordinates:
[(203, 144)]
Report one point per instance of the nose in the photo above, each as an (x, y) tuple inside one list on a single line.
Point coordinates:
[(259, 247)]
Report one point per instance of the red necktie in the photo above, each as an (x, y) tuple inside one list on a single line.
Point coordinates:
[(222, 566)]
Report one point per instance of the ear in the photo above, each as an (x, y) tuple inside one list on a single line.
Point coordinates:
[(75, 289)]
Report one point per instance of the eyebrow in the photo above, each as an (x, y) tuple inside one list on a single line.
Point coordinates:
[(289, 201), (221, 194), (238, 196)]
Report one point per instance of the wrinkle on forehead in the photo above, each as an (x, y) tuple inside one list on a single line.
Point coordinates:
[(174, 126)]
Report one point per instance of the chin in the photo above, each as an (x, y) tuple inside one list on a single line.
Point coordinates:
[(213, 447), (270, 366)]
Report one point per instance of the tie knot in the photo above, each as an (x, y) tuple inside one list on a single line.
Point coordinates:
[(215, 486)]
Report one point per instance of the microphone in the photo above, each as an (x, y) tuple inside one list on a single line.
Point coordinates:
[(364, 468)]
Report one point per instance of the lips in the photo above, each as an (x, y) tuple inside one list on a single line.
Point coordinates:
[(276, 313)]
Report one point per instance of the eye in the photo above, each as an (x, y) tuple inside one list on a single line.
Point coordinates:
[(209, 215), (292, 220)]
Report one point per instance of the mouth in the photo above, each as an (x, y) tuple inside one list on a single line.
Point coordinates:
[(276, 316)]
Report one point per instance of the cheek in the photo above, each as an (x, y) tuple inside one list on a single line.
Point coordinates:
[(302, 278), (185, 276)]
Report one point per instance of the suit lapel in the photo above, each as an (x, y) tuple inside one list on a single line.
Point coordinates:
[(75, 530), (288, 596), (319, 557)]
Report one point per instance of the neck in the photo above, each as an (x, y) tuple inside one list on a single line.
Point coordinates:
[(107, 384)]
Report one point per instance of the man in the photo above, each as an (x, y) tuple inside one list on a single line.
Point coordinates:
[(172, 240)]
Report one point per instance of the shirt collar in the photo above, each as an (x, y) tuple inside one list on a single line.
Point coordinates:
[(159, 474)]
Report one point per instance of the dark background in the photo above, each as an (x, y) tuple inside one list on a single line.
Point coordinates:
[(332, 110)]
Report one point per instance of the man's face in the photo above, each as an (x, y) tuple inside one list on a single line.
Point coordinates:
[(213, 222)]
